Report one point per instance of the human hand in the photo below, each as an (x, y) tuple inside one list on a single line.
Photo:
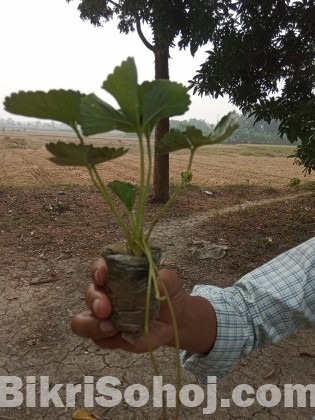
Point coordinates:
[(191, 314)]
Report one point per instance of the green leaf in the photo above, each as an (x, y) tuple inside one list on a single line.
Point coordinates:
[(163, 99), (175, 140), (58, 105), (293, 132), (125, 191), (172, 141), (71, 154), (123, 85), (97, 116), (225, 128), (193, 138)]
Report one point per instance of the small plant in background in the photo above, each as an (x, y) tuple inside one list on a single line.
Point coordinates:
[(309, 185), (302, 185), (295, 183), (135, 297), (264, 242)]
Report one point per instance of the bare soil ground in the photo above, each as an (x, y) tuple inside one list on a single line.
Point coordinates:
[(46, 257), (25, 162)]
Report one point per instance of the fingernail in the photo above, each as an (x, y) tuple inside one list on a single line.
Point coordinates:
[(98, 278), (96, 305), (106, 326)]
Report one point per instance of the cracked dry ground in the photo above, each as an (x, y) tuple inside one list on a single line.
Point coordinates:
[(45, 262)]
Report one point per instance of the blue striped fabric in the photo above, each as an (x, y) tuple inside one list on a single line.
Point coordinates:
[(263, 307)]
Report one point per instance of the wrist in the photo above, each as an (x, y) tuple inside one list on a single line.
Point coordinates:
[(197, 325)]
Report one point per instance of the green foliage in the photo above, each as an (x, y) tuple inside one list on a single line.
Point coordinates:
[(225, 128), (305, 185), (294, 183), (97, 116), (262, 56), (202, 125), (126, 192), (248, 132), (186, 177), (59, 105), (297, 119), (309, 185), (265, 62), (141, 106), (193, 138), (188, 22), (261, 132), (163, 99), (70, 154), (122, 84), (305, 155)]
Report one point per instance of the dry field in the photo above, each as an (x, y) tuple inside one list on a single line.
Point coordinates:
[(46, 255), (24, 161)]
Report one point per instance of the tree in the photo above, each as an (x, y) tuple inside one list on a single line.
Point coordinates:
[(259, 133), (202, 125), (192, 23), (263, 57)]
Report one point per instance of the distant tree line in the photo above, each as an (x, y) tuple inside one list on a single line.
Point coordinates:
[(248, 132), (11, 124)]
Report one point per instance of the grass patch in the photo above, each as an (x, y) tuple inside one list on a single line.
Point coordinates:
[(297, 184), (10, 142), (260, 150)]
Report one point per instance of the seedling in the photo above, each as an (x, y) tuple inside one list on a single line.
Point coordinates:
[(141, 106)]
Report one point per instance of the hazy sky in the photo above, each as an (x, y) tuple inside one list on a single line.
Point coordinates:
[(45, 45)]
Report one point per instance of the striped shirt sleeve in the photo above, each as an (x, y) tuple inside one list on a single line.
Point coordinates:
[(265, 306)]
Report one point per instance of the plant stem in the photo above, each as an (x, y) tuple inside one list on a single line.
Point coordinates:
[(145, 182), (177, 351), (149, 174), (142, 190), (97, 181), (77, 132), (132, 220), (152, 277), (171, 199)]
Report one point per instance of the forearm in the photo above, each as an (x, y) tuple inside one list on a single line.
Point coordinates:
[(265, 306)]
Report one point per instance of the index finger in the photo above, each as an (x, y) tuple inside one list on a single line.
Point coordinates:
[(99, 272)]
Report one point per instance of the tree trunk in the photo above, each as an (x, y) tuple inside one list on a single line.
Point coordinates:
[(160, 191)]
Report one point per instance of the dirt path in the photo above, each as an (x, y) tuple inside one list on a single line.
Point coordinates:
[(177, 231)]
